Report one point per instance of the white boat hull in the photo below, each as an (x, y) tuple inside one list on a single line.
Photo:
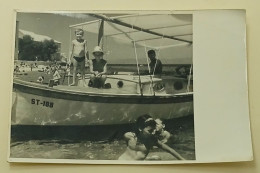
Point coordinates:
[(47, 106)]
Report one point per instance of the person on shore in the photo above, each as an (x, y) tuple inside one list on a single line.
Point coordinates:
[(56, 76), (78, 55), (48, 70), (98, 69), (40, 79), (155, 64), (140, 142), (16, 70), (31, 66)]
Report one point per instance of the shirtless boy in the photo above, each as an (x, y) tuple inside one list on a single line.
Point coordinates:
[(162, 134), (79, 54)]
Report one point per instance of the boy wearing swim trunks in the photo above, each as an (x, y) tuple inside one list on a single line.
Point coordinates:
[(79, 54)]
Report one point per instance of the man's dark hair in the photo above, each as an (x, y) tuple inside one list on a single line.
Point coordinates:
[(151, 51), (144, 121)]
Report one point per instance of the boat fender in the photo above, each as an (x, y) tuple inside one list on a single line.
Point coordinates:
[(120, 84), (159, 87), (51, 83), (107, 86), (90, 83)]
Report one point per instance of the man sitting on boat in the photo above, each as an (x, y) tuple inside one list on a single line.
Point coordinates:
[(155, 64), (98, 69)]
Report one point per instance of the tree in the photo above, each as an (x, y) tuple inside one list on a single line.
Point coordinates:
[(49, 48), (30, 49), (25, 48)]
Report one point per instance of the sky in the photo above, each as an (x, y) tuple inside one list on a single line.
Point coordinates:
[(56, 26)]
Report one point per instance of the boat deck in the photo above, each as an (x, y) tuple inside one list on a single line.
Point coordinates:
[(87, 89), (131, 86)]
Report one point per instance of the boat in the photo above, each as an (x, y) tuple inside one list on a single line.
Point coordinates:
[(128, 96)]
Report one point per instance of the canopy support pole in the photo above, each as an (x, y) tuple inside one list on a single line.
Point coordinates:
[(69, 60), (100, 34), (138, 71), (189, 78), (149, 70)]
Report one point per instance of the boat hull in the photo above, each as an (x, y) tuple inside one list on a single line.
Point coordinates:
[(38, 105)]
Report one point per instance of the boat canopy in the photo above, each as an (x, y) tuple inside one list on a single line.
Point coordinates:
[(153, 31), (156, 31)]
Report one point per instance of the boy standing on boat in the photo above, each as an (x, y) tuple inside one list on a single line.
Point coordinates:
[(155, 64), (78, 55), (98, 69)]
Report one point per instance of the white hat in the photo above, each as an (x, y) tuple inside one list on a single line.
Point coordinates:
[(98, 49)]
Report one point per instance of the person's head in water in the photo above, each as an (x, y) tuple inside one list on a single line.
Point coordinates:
[(152, 55), (145, 126), (159, 125)]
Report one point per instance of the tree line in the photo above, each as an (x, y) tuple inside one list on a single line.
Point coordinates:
[(31, 50)]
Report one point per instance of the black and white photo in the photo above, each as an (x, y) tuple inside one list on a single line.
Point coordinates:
[(103, 86)]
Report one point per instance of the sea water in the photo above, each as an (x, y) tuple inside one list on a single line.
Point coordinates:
[(183, 141)]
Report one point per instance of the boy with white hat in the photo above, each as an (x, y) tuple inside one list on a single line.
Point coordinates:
[(98, 69)]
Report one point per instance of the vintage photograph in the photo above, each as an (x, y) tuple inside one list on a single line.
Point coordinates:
[(111, 86)]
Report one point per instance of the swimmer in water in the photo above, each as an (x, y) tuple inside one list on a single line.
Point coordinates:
[(140, 142), (162, 134)]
